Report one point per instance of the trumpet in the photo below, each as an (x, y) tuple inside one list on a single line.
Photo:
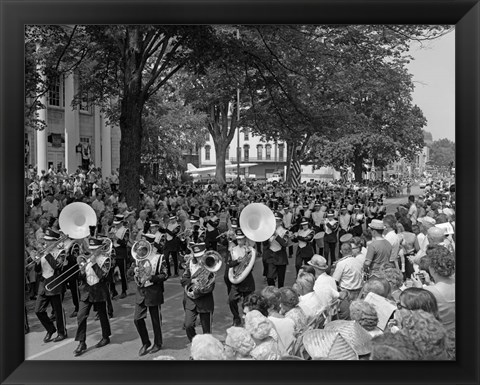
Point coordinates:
[(103, 252), (187, 233), (48, 249)]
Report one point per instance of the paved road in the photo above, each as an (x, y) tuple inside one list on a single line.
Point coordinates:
[(125, 342)]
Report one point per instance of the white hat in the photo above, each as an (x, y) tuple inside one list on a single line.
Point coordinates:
[(376, 224)]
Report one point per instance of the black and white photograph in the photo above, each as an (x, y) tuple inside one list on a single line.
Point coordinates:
[(240, 192)]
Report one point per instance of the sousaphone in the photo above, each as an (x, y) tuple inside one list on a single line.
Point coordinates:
[(76, 218), (257, 222)]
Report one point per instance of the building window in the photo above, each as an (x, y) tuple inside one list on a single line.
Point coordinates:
[(245, 133), (246, 150), (268, 152), (259, 152), (56, 92), (207, 152), (280, 152)]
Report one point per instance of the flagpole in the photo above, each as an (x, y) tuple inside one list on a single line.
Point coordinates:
[(239, 151)]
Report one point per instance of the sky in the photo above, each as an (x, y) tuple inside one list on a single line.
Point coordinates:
[(433, 73)]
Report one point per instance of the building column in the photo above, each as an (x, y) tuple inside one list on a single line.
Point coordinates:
[(97, 138), (42, 134), (71, 130), (106, 148)]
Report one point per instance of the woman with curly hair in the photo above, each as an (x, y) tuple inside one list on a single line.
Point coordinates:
[(441, 267), (289, 308), (255, 301), (285, 327), (308, 300), (394, 277), (427, 333), (394, 347), (366, 316)]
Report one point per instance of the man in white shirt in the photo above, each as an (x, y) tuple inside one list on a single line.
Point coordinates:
[(391, 236), (349, 271), (325, 286), (98, 205), (412, 211), (50, 206)]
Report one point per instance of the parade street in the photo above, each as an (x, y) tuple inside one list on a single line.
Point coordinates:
[(125, 342)]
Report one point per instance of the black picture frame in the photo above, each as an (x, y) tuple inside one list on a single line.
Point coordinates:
[(465, 14)]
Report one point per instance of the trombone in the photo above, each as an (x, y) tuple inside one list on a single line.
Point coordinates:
[(82, 261), (48, 249)]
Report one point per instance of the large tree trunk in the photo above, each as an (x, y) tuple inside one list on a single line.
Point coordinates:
[(220, 151), (131, 120), (358, 168)]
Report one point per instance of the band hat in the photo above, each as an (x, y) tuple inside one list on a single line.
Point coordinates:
[(376, 224), (239, 234), (304, 221), (118, 219), (327, 345), (429, 221), (330, 213), (198, 249), (343, 208), (51, 235), (172, 217), (318, 262), (154, 223), (358, 338), (127, 213), (278, 216), (94, 243), (234, 222), (149, 237), (194, 218)]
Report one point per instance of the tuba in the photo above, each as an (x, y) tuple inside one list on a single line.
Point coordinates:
[(75, 220), (204, 279), (257, 222), (238, 273), (141, 250)]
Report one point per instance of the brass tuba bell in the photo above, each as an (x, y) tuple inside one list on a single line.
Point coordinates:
[(257, 222)]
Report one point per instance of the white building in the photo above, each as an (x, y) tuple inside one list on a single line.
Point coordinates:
[(270, 156), (71, 135)]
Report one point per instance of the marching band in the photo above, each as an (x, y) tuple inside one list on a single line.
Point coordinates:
[(78, 256)]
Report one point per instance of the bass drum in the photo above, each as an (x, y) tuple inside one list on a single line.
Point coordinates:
[(238, 273)]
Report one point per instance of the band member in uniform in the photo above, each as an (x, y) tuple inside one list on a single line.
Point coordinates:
[(120, 237), (50, 268), (239, 291), (318, 217), (356, 222), (149, 296), (330, 239), (203, 305), (344, 221), (371, 211), (158, 242), (172, 244), (276, 254), (212, 222), (382, 210), (93, 292), (304, 237)]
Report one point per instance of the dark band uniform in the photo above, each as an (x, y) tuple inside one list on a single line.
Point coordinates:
[(173, 244), (150, 296), (212, 231), (275, 256), (240, 290), (204, 304), (305, 248), (50, 268), (121, 252), (93, 292)]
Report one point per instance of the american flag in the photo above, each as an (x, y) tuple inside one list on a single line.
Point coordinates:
[(296, 174)]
